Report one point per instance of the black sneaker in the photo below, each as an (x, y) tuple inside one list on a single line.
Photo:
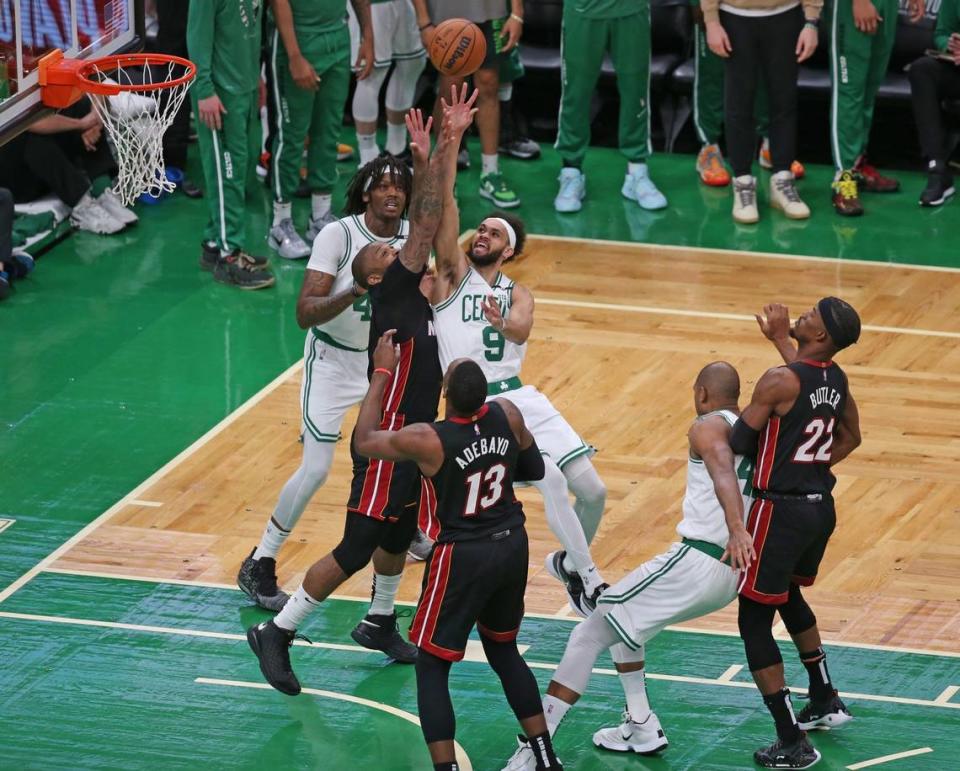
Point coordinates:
[(519, 147), (588, 602), (832, 713), (800, 754), (939, 187), (240, 270), (210, 256), (380, 633), (271, 645), (579, 601), (258, 580)]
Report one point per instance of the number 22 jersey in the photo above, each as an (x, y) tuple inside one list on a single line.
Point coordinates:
[(793, 455)]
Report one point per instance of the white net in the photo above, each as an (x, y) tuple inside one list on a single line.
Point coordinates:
[(136, 120)]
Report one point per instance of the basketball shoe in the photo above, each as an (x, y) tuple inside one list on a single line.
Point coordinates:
[(637, 186), (800, 754), (381, 633), (939, 185), (318, 224), (581, 603), (210, 255), (271, 645), (572, 190), (524, 759), (846, 195), (745, 200), (644, 738), (765, 159), (287, 241), (258, 580), (871, 180), (494, 188), (420, 547), (784, 196), (832, 713), (710, 167), (238, 269)]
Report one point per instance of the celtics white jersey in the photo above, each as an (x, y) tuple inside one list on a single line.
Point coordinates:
[(463, 330), (703, 518), (334, 250)]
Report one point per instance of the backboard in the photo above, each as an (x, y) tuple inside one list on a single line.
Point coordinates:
[(30, 29)]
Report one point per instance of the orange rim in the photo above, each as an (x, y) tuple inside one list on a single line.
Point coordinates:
[(106, 64)]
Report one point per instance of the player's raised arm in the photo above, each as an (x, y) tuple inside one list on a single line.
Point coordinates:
[(775, 392), (517, 328), (774, 322), (417, 442), (846, 436), (530, 466), (451, 260), (710, 441)]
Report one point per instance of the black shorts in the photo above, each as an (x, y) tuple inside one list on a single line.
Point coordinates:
[(382, 489), (478, 582), (790, 538), (491, 34)]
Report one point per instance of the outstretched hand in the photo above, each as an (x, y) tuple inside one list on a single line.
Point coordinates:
[(775, 321), (386, 355), (458, 114), (419, 135)]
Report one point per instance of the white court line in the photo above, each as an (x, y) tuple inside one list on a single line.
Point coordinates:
[(888, 758), (948, 693), (149, 504), (462, 759), (850, 263), (5, 523), (176, 631), (242, 410), (654, 310), (729, 673)]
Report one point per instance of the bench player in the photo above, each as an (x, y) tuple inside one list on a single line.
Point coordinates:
[(382, 510), (689, 580), (483, 315), (801, 421), (477, 572)]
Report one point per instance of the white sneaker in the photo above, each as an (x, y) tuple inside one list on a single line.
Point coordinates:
[(523, 759), (89, 215), (572, 190), (318, 224), (644, 738), (286, 240), (784, 196), (745, 200), (111, 202), (420, 547)]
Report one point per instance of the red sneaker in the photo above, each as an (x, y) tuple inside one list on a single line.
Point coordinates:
[(871, 180), (846, 197)]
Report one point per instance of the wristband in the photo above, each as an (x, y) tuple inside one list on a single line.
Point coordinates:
[(384, 370), (354, 288), (424, 26), (814, 23), (516, 18)]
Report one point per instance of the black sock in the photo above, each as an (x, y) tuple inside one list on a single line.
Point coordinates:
[(821, 689), (543, 751), (451, 766), (571, 165), (782, 711)]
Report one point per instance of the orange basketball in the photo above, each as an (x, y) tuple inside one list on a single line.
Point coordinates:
[(458, 47)]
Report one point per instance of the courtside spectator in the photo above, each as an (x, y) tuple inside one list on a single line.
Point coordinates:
[(12, 266)]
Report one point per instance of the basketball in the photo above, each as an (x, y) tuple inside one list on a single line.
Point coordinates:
[(458, 47)]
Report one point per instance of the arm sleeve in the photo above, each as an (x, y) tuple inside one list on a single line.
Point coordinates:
[(329, 253), (530, 466), (201, 22), (743, 439)]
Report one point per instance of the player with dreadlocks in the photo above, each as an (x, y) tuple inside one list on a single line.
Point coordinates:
[(336, 311)]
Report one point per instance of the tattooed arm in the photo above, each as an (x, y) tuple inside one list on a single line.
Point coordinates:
[(316, 305)]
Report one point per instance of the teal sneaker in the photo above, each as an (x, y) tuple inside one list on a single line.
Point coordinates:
[(640, 188), (573, 187), (493, 187)]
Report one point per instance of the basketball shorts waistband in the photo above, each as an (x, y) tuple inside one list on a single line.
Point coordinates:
[(768, 495)]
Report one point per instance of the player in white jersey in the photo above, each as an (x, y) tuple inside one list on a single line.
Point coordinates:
[(494, 334), (695, 576), (336, 314), (396, 40)]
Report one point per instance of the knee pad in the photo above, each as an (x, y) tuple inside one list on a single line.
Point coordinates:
[(361, 536), (402, 87), (366, 97), (796, 613), (755, 621), (397, 536)]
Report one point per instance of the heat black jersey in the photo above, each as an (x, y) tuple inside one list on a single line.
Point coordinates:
[(793, 455), (414, 391), (475, 483)]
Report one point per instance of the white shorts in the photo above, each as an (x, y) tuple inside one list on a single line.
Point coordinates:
[(678, 585), (395, 33), (555, 437), (334, 380)]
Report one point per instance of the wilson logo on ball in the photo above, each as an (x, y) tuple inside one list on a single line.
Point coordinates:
[(459, 52)]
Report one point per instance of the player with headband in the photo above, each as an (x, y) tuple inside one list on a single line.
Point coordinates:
[(483, 315)]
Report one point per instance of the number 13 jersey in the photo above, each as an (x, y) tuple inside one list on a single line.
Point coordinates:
[(463, 330), (793, 455), (474, 485)]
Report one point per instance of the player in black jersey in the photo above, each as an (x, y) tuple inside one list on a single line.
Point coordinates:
[(382, 510), (477, 571), (801, 421)]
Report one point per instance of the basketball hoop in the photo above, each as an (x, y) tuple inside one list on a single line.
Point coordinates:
[(136, 97)]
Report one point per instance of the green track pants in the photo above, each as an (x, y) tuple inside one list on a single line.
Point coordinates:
[(858, 64), (228, 157), (301, 112), (583, 44)]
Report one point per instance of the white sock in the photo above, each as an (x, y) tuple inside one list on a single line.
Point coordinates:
[(554, 710), (396, 138), (369, 149), (636, 168), (281, 212), (489, 163), (635, 688), (320, 204), (295, 612), (591, 579), (384, 593), (505, 92), (271, 541)]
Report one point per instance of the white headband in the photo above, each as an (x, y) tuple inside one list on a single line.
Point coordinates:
[(511, 233)]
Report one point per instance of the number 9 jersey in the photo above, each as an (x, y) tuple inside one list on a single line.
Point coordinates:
[(793, 455)]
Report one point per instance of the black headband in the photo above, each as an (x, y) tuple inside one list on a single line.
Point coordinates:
[(841, 337)]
